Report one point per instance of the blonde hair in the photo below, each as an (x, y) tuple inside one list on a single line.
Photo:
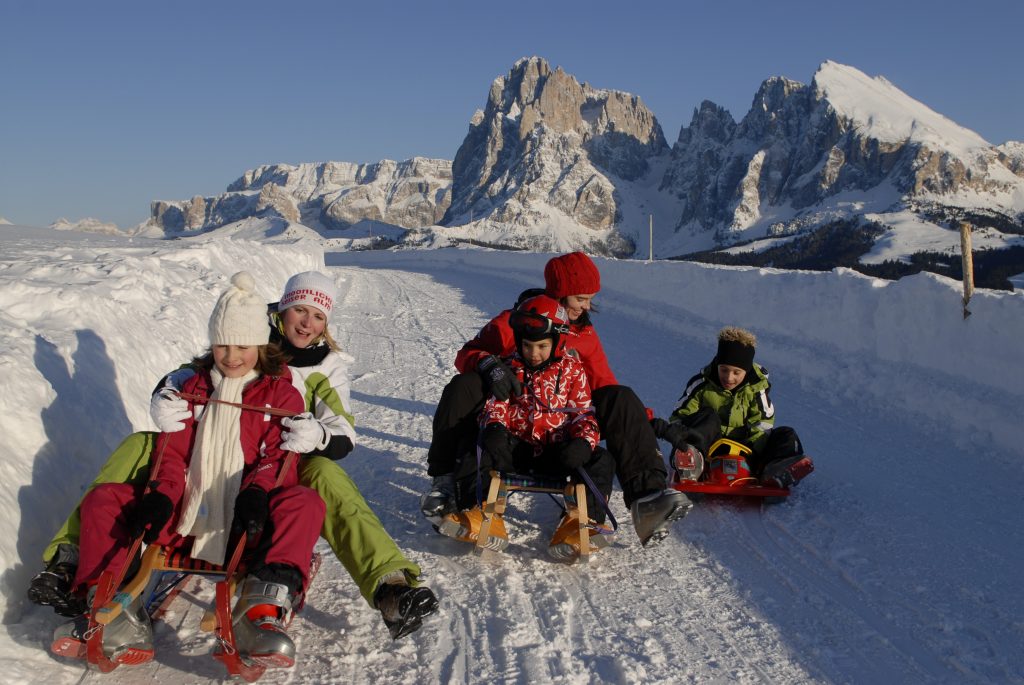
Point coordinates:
[(740, 335), (330, 341)]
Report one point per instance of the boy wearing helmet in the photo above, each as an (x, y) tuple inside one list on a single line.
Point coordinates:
[(547, 429)]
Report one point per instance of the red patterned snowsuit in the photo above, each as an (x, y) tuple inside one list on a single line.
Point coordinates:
[(536, 416), (296, 512)]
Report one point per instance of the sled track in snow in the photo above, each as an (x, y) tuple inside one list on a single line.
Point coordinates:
[(880, 618)]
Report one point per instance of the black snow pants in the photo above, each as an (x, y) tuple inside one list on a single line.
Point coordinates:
[(782, 443), (472, 484)]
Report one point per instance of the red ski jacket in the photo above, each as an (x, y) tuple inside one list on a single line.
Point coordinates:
[(554, 407), (497, 338), (260, 435)]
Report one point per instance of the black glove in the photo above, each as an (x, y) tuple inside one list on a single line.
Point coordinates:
[(149, 516), (339, 447), (495, 441), (575, 453), (500, 380), (675, 433), (252, 507)]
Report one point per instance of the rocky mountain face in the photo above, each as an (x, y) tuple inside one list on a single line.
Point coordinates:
[(801, 147), (545, 140), (332, 196), (552, 164)]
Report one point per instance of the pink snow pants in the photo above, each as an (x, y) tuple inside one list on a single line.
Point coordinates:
[(296, 516)]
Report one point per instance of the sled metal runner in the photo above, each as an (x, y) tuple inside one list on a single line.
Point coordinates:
[(158, 561), (150, 583), (157, 593), (728, 473), (573, 491)]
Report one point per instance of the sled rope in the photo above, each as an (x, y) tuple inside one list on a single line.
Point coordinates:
[(273, 411)]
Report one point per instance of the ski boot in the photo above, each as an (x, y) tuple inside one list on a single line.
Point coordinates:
[(52, 585), (565, 543), (128, 639), (403, 607), (787, 472), (260, 619), (653, 512), (688, 463), (440, 501), (465, 526)]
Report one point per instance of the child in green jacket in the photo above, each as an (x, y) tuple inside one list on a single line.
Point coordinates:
[(736, 390)]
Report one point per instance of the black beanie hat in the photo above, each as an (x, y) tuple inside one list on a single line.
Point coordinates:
[(735, 353)]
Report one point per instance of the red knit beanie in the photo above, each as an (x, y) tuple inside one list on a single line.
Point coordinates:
[(571, 274)]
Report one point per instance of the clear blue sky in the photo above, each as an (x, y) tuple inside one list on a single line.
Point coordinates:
[(105, 106)]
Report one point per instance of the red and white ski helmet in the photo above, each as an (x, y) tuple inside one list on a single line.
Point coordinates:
[(538, 318)]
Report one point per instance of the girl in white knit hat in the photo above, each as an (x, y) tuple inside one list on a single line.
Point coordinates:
[(225, 470)]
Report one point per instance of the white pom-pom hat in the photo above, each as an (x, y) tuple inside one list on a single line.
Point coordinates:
[(240, 316), (310, 288)]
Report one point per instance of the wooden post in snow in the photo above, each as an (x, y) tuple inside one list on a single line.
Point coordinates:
[(650, 241), (968, 264)]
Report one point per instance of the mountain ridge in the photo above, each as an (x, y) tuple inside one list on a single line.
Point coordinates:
[(550, 163)]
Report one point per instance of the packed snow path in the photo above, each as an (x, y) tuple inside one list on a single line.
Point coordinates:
[(889, 564)]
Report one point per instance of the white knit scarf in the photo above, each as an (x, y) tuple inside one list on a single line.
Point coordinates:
[(215, 471)]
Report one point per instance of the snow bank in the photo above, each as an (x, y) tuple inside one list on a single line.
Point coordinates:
[(85, 333), (903, 345)]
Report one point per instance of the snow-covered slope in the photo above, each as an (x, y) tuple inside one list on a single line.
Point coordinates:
[(896, 561), (880, 110)]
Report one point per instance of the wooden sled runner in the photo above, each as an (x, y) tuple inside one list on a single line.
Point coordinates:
[(502, 484)]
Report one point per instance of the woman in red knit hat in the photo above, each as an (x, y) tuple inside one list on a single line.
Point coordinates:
[(573, 280)]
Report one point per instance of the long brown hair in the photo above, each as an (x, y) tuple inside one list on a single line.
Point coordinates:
[(270, 361)]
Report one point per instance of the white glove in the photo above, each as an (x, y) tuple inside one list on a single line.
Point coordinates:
[(305, 433), (168, 411)]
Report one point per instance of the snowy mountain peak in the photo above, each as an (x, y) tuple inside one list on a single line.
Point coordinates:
[(882, 111), (547, 152), (327, 195), (86, 225)]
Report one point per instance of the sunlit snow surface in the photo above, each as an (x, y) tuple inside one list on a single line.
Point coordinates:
[(898, 560)]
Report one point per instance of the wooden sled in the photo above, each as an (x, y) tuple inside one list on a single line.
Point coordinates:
[(502, 484), (162, 573)]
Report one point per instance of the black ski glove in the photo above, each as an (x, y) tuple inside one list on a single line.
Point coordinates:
[(149, 516), (496, 441), (500, 380), (252, 507), (575, 453), (675, 433)]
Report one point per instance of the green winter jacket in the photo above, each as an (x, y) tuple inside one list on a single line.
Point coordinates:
[(746, 413)]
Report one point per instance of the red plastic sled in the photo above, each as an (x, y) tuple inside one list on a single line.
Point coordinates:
[(727, 472)]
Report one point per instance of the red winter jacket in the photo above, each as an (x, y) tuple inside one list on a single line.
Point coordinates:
[(260, 435), (497, 338), (534, 416)]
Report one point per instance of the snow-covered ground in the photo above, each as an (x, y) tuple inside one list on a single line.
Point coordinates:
[(898, 560)]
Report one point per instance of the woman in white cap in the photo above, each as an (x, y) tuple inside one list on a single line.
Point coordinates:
[(323, 434)]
